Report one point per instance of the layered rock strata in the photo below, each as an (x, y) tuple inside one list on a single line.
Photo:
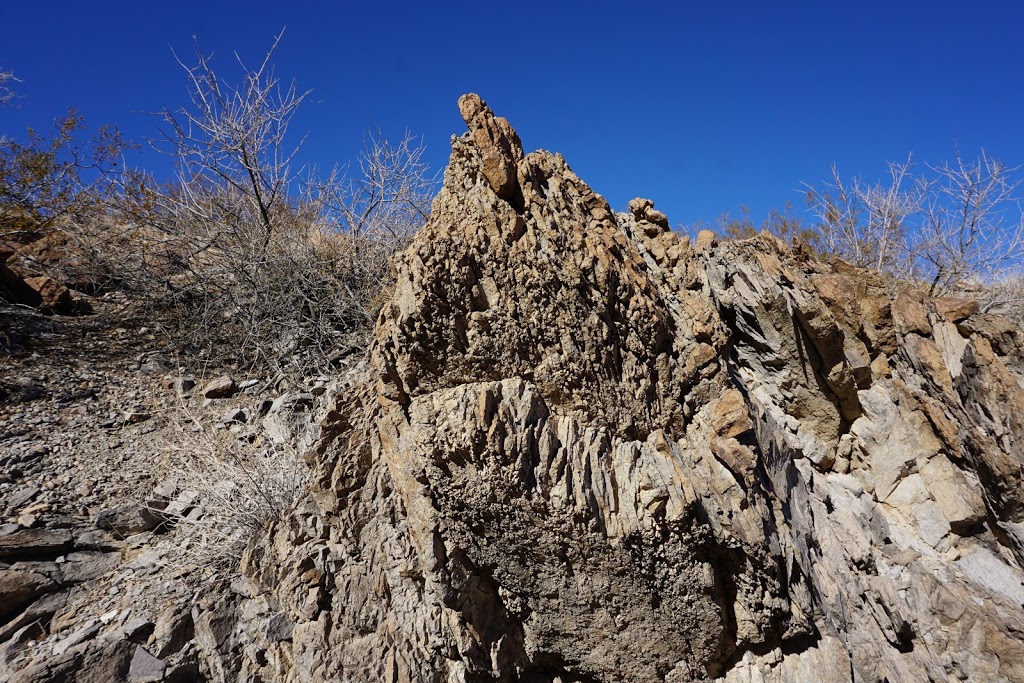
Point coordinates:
[(589, 449)]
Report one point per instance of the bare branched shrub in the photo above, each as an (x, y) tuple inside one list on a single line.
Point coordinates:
[(266, 264), (7, 94), (784, 224), (955, 228), (865, 224), (238, 486), (232, 150)]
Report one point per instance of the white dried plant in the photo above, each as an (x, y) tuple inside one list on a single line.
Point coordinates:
[(233, 488)]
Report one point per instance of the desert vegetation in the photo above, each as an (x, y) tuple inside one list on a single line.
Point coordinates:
[(244, 261), (244, 257), (954, 228)]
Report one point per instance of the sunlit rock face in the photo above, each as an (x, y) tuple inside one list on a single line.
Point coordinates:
[(589, 449)]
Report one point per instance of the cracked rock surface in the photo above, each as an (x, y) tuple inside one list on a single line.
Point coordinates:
[(588, 449)]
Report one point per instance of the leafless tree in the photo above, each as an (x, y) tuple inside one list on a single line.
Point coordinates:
[(865, 223), (955, 228), (970, 230), (273, 263), (231, 145)]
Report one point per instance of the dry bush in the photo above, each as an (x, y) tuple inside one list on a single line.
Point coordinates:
[(7, 94), (60, 177), (239, 487), (956, 228), (784, 224), (258, 263), (304, 293)]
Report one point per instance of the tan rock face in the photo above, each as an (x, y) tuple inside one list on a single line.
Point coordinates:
[(585, 451)]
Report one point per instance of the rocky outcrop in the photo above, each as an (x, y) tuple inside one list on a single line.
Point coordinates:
[(589, 450), (25, 275)]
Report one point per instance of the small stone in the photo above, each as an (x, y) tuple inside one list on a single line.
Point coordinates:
[(235, 416), (90, 629), (28, 520), (181, 506), (137, 628), (166, 489), (705, 240), (94, 539), (128, 520), (135, 415), (22, 496), (221, 387)]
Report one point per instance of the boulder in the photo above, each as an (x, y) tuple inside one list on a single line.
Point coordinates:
[(127, 520), (35, 543), (19, 588)]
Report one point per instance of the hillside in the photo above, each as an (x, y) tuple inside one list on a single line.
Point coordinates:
[(582, 448)]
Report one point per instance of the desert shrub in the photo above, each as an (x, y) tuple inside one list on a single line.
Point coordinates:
[(7, 94), (260, 263), (784, 224), (66, 174), (954, 229), (234, 487)]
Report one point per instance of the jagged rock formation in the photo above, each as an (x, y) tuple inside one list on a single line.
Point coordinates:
[(591, 450), (588, 449)]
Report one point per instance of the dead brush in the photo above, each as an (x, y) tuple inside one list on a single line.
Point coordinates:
[(230, 489)]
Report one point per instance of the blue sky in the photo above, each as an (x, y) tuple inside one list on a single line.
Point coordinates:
[(699, 106)]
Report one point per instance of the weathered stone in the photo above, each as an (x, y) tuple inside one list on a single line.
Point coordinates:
[(95, 539), (729, 416), (221, 387), (83, 633), (235, 416), (35, 543), (959, 500), (53, 296), (584, 450), (138, 629), (909, 313), (19, 588), (145, 668), (955, 310), (497, 143), (128, 520), (22, 496), (183, 385), (85, 566), (643, 210), (38, 613), (173, 630)]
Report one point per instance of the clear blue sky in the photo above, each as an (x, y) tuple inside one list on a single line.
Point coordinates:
[(699, 106)]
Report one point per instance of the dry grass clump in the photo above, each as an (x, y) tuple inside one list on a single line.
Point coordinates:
[(230, 489)]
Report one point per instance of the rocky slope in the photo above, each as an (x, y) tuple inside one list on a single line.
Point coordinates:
[(588, 449), (96, 418)]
